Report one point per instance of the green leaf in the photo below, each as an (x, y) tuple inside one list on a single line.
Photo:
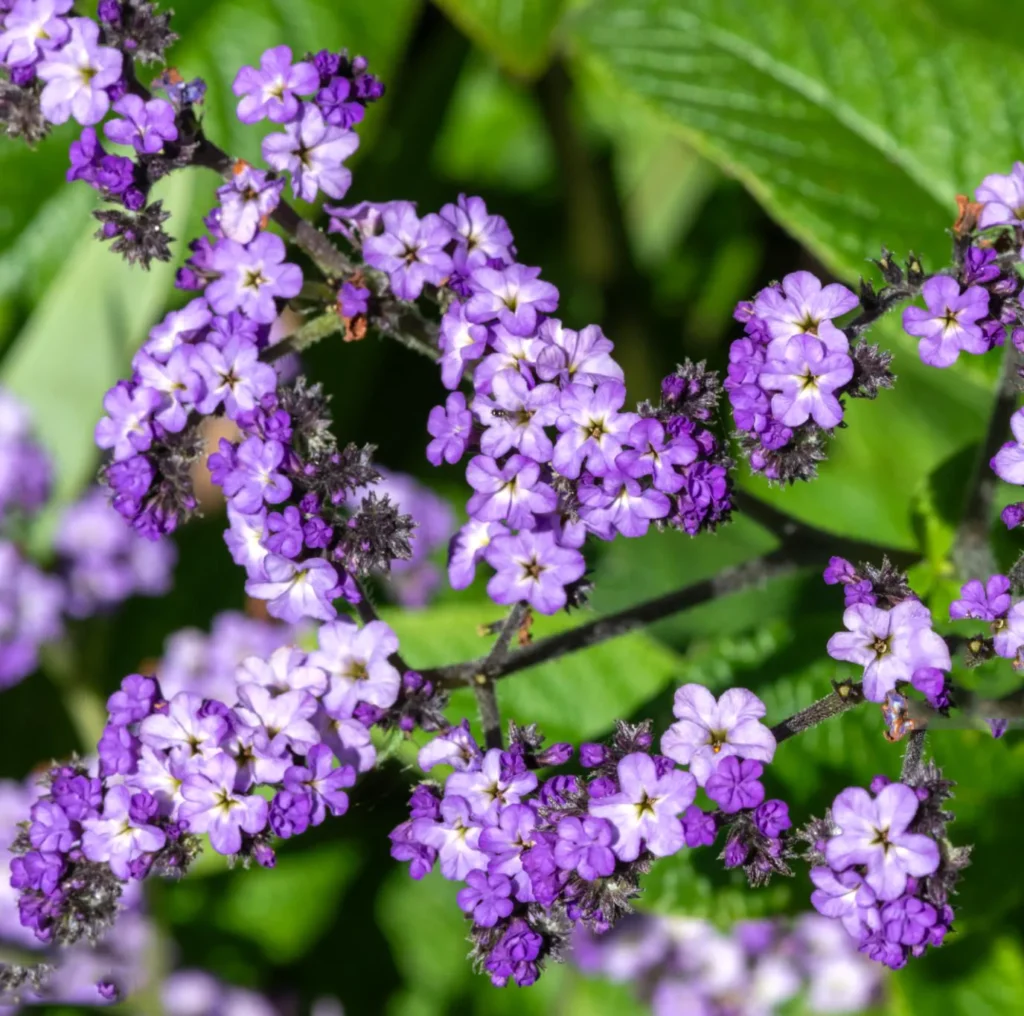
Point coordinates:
[(853, 127), (519, 34), (572, 698)]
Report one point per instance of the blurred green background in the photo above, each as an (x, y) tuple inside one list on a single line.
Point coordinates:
[(660, 160)]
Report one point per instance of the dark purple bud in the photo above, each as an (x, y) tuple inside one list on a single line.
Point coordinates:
[(265, 856), (593, 755), (699, 828), (603, 786), (879, 783), (108, 990), (772, 818), (411, 682), (736, 852), (839, 570), (1013, 515), (663, 765), (998, 727), (368, 715), (143, 807), (555, 755), (140, 867)]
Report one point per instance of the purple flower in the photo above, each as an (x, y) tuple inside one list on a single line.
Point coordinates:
[(35, 870), (212, 806), (506, 840), (186, 727), (450, 426), (532, 567), (296, 590), (1003, 197), (772, 818), (50, 829), (950, 324), (708, 731), (735, 785), (179, 385), (255, 477), (334, 102), (846, 896), (233, 375), (324, 783), (486, 898), (584, 845), (571, 357), (1008, 462), (802, 306), (515, 416), (1008, 633), (490, 788), (314, 153), (121, 836), (126, 429), (805, 376), (270, 92), (889, 644), (133, 701), (279, 723), (618, 503), (699, 828), (284, 532), (353, 300), (593, 429), (646, 808), (651, 454), (460, 341), (177, 327), (873, 832), (512, 492), (480, 237), (839, 571), (410, 250), (31, 28), (456, 747), (984, 602), (456, 838), (466, 549), (246, 202), (514, 296), (77, 76), (144, 125), (357, 660), (251, 277)]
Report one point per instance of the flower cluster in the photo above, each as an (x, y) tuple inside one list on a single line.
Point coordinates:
[(688, 965), (555, 456), (540, 858), (889, 633), (787, 375), (884, 867), (99, 561)]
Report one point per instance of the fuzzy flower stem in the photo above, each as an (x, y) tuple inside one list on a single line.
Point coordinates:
[(487, 706), (509, 627), (842, 697), (913, 759)]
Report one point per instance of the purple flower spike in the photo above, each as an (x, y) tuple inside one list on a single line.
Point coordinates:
[(950, 324)]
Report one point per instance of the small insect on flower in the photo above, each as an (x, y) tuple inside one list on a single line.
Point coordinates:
[(896, 713)]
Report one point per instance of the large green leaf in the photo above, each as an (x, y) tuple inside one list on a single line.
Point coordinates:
[(517, 33), (854, 127)]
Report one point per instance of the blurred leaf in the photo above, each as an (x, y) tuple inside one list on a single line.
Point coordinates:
[(286, 910), (853, 127), (517, 33), (493, 133), (573, 698)]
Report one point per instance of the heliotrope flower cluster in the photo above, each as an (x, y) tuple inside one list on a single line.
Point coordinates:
[(884, 866), (755, 968), (787, 375), (99, 560), (889, 633), (539, 858)]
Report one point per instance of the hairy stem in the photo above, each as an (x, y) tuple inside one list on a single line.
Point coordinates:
[(843, 696), (487, 706), (913, 759)]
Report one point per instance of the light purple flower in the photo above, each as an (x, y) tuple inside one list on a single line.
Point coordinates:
[(490, 788), (455, 747), (252, 277), (143, 125), (585, 845), (480, 236), (213, 806), (460, 342), (1003, 197), (735, 784), (532, 567), (506, 839), (515, 296), (873, 832), (486, 898), (247, 201), (117, 837), (184, 727), (77, 76), (846, 896), (179, 385), (410, 250), (802, 306), (709, 730), (515, 415), (512, 492), (889, 644), (244, 538), (593, 429), (286, 669), (651, 454), (1008, 462), (177, 327), (232, 375), (1008, 634), (571, 357), (127, 428), (455, 837), (296, 590), (466, 549), (805, 376), (950, 323), (617, 503), (325, 783), (646, 809), (510, 352), (271, 91), (450, 426), (281, 721), (255, 477), (31, 28), (357, 661), (983, 602), (314, 153)]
